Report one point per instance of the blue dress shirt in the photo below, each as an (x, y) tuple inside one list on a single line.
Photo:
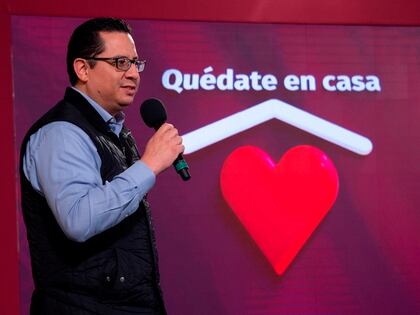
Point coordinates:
[(63, 165)]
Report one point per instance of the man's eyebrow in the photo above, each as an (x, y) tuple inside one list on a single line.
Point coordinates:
[(122, 56)]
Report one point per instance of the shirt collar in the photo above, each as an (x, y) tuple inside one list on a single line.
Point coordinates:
[(114, 122)]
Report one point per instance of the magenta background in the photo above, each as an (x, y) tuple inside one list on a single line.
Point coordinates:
[(364, 257)]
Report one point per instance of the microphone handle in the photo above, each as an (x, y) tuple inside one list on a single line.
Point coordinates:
[(181, 167)]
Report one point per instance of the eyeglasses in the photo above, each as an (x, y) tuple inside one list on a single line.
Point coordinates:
[(122, 63)]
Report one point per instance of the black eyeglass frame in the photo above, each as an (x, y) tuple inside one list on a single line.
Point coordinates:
[(139, 64)]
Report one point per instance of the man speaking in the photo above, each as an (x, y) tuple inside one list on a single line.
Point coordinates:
[(84, 184)]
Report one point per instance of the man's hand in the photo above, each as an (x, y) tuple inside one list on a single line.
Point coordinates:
[(162, 148)]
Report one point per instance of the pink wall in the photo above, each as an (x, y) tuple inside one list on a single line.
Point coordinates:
[(404, 12)]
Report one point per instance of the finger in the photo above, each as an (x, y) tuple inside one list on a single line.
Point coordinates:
[(179, 140), (165, 127)]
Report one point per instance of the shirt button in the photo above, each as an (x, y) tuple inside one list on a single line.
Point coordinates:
[(122, 279)]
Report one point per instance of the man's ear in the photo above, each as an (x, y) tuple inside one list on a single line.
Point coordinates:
[(81, 68)]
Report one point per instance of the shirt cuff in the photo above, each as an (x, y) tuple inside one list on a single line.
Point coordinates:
[(141, 175)]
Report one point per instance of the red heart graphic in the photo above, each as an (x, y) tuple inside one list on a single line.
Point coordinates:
[(279, 205)]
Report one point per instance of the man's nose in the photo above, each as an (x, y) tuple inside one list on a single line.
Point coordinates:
[(132, 71)]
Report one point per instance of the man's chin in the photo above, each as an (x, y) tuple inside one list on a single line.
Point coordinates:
[(126, 101)]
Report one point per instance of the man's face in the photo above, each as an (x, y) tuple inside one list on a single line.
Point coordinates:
[(112, 88)]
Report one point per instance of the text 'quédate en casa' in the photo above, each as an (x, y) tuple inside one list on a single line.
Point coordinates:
[(229, 80)]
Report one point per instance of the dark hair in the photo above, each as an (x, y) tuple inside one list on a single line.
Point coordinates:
[(85, 41)]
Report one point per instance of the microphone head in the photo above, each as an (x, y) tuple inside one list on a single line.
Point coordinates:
[(153, 112)]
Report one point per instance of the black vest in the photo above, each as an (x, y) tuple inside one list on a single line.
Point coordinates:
[(114, 272)]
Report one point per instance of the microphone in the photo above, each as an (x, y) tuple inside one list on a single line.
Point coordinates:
[(154, 115)]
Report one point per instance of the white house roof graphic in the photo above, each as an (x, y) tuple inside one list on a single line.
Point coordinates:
[(273, 108)]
